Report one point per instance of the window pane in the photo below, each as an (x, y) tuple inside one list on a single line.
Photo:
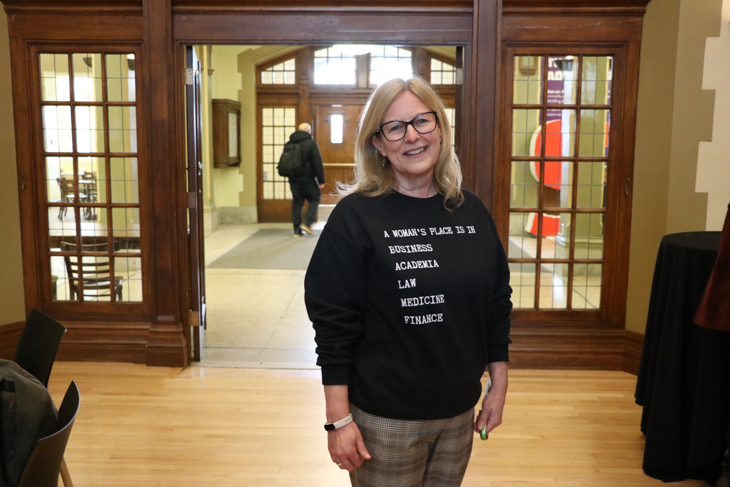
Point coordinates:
[(95, 276), (562, 80), (388, 62), (526, 132), (336, 128), (522, 281), (126, 229), (282, 73), (120, 76), (587, 286), (528, 80), (442, 73), (589, 236), (334, 67), (87, 77), (594, 129), (557, 191), (278, 126), (128, 271), (268, 154), (54, 77), (451, 115), (57, 129), (61, 226), (124, 179), (555, 236), (60, 287), (560, 133), (123, 129), (57, 168), (89, 129), (524, 184), (522, 242), (94, 230), (596, 80), (92, 178), (591, 185), (553, 286)]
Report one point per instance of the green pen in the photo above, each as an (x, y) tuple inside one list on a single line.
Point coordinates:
[(483, 433)]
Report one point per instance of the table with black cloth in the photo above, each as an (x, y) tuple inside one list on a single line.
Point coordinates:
[(684, 374)]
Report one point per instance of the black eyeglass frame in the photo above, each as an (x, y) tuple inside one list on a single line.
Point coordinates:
[(381, 132)]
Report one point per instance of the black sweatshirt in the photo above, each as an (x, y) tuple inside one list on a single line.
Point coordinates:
[(409, 302)]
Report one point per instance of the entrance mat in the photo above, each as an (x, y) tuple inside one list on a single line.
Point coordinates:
[(269, 248)]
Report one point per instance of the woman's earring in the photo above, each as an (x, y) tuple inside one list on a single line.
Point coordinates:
[(385, 159)]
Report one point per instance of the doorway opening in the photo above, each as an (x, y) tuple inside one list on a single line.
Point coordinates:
[(252, 99)]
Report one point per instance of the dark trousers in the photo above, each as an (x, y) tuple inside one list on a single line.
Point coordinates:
[(304, 189)]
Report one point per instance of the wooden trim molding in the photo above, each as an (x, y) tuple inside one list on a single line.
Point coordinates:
[(571, 8), (633, 346), (9, 336)]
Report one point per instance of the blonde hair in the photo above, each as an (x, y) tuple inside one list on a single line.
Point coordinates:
[(372, 178)]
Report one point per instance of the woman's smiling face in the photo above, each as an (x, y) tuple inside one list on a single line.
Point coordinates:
[(414, 156)]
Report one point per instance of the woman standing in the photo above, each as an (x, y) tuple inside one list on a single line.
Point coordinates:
[(408, 290)]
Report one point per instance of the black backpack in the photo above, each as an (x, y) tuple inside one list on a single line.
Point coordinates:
[(27, 414), (291, 164)]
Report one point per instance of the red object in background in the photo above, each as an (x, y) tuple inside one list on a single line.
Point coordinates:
[(553, 145), (550, 225)]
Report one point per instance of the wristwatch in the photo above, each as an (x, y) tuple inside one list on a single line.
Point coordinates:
[(338, 424)]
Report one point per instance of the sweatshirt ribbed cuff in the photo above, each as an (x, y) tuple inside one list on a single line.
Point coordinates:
[(498, 353), (335, 375)]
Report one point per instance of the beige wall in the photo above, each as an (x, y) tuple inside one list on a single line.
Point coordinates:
[(12, 297), (713, 169), (226, 84), (247, 97), (674, 115)]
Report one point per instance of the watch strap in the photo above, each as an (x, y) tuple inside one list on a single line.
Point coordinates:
[(338, 424)]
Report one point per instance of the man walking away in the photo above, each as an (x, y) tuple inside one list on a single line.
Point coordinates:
[(309, 185)]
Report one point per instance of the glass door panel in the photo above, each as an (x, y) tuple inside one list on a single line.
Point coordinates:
[(89, 132), (561, 117)]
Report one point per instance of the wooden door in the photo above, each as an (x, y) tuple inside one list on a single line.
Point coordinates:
[(195, 202), (334, 130)]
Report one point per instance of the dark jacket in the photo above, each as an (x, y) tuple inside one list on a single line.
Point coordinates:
[(310, 153)]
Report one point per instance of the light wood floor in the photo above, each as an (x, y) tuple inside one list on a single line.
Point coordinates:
[(152, 426)]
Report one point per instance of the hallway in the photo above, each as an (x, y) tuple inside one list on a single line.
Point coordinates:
[(256, 317)]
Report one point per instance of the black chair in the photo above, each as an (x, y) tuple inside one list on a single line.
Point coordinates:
[(38, 344), (36, 352), (45, 461)]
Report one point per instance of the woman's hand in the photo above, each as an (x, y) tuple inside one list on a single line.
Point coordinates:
[(346, 447), (493, 404)]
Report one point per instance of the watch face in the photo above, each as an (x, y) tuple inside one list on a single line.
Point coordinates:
[(329, 427)]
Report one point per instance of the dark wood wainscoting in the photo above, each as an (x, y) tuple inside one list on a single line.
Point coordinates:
[(571, 347), (9, 336)]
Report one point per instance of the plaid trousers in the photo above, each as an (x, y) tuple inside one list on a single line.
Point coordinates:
[(413, 453)]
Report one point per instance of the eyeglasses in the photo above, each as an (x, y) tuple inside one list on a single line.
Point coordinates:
[(396, 130)]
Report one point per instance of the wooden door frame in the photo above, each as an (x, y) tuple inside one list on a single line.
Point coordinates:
[(475, 30)]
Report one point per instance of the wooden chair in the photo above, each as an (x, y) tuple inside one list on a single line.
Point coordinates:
[(68, 195), (46, 460), (96, 272)]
